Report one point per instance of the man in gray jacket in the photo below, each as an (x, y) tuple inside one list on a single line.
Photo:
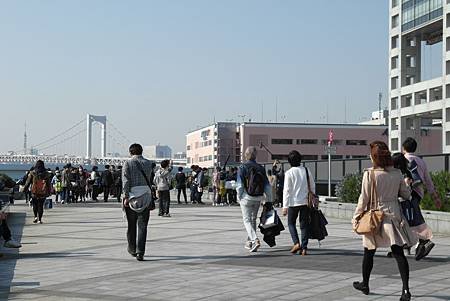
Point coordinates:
[(136, 174), (162, 181)]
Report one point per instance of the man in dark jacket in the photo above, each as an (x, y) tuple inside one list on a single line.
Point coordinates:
[(107, 182), (181, 184)]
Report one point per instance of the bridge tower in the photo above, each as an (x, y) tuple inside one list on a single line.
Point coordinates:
[(90, 120)]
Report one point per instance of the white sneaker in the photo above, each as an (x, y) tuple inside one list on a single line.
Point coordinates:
[(248, 245), (12, 244), (255, 246)]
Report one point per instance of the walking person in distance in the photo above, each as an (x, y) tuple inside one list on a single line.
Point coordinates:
[(252, 186), (180, 178), (40, 181), (137, 199), (163, 182), (295, 201)]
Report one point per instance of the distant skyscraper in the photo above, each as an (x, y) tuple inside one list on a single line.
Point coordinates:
[(158, 152)]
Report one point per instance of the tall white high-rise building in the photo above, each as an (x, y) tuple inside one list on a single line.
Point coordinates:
[(419, 72)]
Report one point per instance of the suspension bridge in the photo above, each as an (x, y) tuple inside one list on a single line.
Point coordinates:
[(68, 145)]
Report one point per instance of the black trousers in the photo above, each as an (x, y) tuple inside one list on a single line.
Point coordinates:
[(4, 230), (182, 189), (118, 192), (137, 228), (95, 192), (106, 191), (164, 201), (38, 207)]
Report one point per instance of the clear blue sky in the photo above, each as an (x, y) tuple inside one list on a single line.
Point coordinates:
[(158, 69)]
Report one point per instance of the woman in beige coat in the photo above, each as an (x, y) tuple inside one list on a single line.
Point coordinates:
[(394, 231)]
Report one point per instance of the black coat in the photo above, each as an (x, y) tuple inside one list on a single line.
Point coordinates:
[(272, 232)]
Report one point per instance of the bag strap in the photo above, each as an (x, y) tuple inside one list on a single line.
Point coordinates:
[(139, 166), (307, 179), (373, 191)]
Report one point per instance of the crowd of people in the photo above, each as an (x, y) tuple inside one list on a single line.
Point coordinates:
[(394, 187)]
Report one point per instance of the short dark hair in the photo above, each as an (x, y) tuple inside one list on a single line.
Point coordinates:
[(106, 166), (136, 149), (294, 158), (269, 172), (410, 145), (180, 168), (165, 163)]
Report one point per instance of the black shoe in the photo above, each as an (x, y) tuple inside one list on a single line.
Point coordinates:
[(133, 254), (406, 296), (389, 254), (361, 287), (140, 257), (179, 203)]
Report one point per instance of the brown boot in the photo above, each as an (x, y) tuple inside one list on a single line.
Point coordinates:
[(295, 248)]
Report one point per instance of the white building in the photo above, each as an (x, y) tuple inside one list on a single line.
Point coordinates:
[(419, 71)]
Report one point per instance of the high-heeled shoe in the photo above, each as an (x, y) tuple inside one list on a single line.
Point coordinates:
[(360, 286), (406, 296)]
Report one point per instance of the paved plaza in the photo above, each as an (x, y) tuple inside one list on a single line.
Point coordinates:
[(79, 253)]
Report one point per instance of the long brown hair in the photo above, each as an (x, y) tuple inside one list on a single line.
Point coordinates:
[(381, 156)]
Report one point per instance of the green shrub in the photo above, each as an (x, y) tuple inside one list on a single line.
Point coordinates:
[(349, 189), (441, 182)]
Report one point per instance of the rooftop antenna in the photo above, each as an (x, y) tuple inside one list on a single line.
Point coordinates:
[(380, 114), (345, 111), (25, 142), (276, 109), (262, 111)]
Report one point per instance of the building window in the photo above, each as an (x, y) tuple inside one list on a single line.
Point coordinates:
[(394, 144), (356, 142), (394, 62), (447, 138), (394, 83), (281, 141), (279, 157), (394, 104), (359, 157), (394, 42), (394, 21), (309, 157), (394, 3), (188, 147), (307, 141)]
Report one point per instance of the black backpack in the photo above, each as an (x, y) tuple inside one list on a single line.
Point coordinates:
[(254, 180)]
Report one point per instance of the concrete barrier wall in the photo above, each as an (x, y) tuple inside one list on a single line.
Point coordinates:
[(438, 221)]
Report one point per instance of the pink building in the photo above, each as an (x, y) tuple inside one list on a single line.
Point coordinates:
[(350, 140), (210, 146)]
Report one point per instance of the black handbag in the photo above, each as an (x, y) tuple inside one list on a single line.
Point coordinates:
[(411, 210), (317, 223)]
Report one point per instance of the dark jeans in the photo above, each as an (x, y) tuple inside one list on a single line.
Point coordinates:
[(302, 213), (193, 194), (4, 231), (182, 189), (38, 207), (137, 221), (164, 201)]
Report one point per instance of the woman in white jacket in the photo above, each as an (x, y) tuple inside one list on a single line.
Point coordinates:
[(295, 196)]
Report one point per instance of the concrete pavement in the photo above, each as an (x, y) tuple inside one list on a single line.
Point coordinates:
[(79, 253)]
